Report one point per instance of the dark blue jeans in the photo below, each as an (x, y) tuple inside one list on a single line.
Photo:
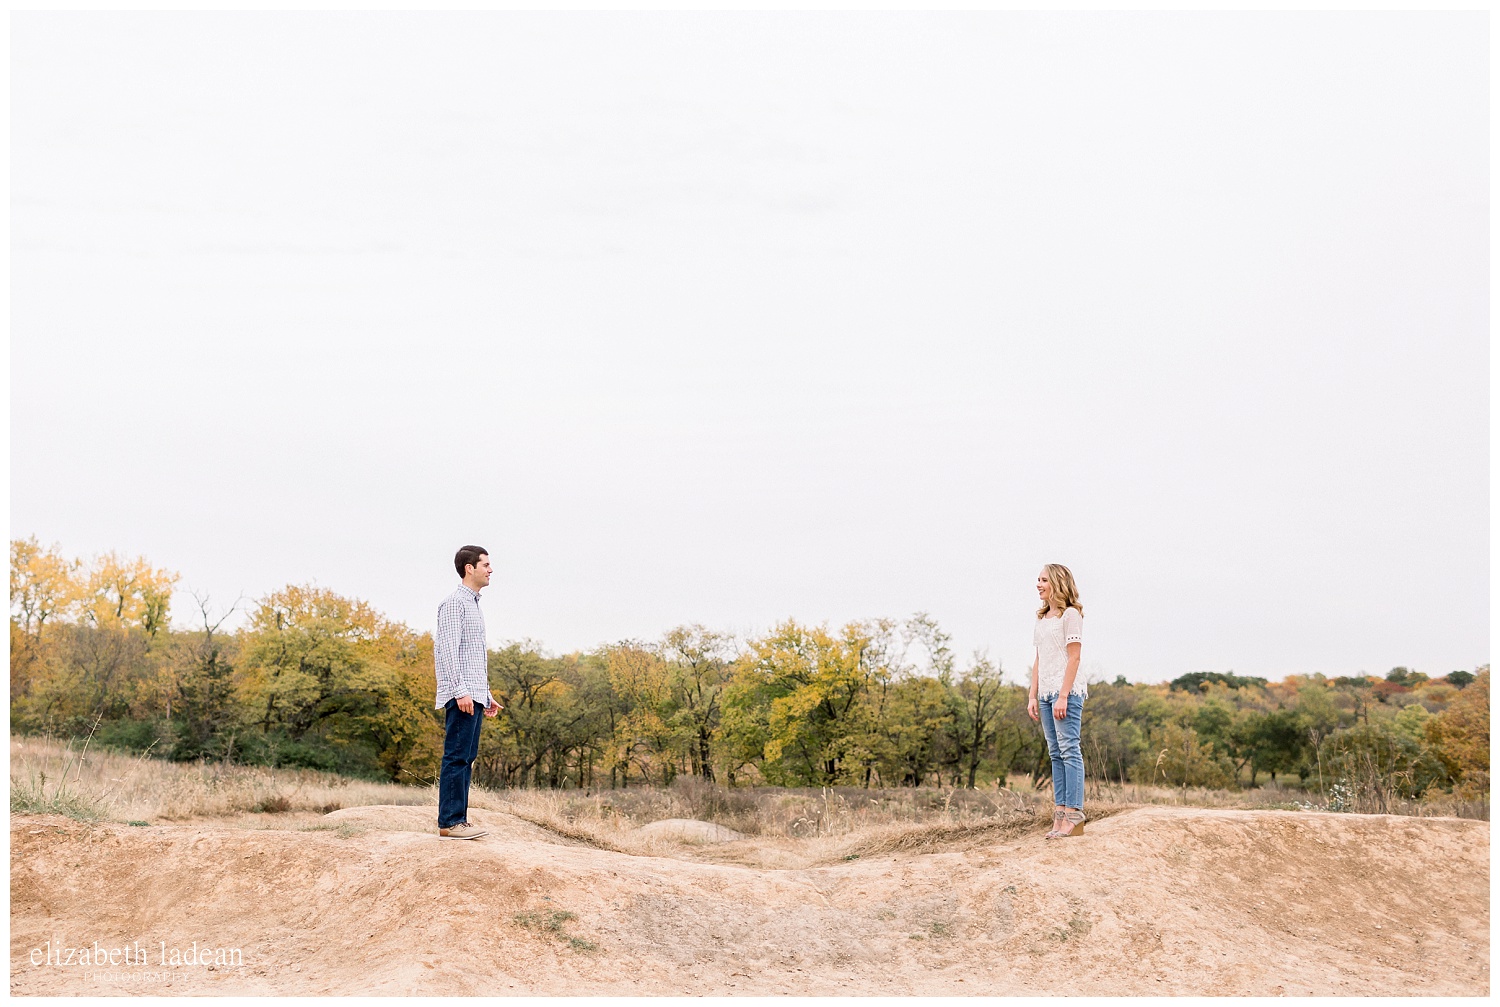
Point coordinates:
[(460, 749)]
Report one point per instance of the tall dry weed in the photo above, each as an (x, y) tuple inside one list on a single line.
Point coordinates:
[(108, 785), (52, 777), (1273, 796)]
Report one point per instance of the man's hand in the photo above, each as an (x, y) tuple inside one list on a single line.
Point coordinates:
[(465, 704), (493, 709)]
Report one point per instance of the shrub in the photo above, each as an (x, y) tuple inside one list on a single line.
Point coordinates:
[(1180, 758), (34, 796), (1460, 737), (1380, 761)]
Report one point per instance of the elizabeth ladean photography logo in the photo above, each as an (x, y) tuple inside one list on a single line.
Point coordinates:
[(58, 955)]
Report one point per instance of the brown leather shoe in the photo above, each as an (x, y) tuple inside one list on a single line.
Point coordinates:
[(463, 830)]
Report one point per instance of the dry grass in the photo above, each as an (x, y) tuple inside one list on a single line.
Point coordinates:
[(940, 834), (819, 825), (1275, 796), (56, 777), (795, 813), (52, 777), (787, 828), (605, 833), (918, 838)]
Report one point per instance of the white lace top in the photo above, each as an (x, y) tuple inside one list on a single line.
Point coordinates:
[(1051, 639)]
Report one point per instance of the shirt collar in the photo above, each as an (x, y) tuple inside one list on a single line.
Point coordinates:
[(468, 590)]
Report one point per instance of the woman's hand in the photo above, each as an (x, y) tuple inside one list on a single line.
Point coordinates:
[(1031, 708), (1060, 708)]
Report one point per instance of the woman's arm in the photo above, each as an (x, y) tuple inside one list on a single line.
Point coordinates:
[(1075, 653), (1073, 634), (1031, 709)]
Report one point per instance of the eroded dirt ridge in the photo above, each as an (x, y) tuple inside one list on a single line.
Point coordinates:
[(1154, 900)]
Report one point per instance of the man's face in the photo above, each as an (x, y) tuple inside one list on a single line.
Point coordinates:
[(479, 573)]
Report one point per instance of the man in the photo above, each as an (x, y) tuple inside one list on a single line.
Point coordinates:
[(460, 656)]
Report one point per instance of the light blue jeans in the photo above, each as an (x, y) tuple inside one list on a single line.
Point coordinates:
[(1066, 751)]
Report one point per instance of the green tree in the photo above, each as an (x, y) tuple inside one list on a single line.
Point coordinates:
[(545, 724), (1112, 738), (1274, 741), (1460, 737), (1378, 762), (1182, 759), (201, 702), (796, 693), (644, 736), (980, 695), (698, 666), (316, 679), (918, 714)]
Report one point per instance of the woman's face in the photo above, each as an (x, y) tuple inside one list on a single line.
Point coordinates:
[(1044, 588)]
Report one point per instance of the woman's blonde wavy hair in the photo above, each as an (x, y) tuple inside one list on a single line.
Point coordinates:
[(1064, 590)]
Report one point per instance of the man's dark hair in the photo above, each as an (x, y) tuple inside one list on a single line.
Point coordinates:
[(468, 556)]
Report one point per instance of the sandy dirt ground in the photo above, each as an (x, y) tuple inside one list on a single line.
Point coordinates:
[(1150, 901)]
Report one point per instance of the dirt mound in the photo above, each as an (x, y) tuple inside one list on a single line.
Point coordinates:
[(418, 818), (1150, 901), (690, 830)]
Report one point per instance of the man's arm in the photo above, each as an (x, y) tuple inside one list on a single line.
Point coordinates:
[(450, 623)]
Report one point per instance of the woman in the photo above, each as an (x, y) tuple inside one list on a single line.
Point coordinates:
[(1057, 695)]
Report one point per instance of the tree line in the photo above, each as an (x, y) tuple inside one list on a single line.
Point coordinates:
[(317, 680)]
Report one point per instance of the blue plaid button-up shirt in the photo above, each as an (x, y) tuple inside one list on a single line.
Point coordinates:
[(459, 650)]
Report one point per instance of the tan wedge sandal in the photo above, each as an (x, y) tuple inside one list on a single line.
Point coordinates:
[(1074, 817), (1057, 820)]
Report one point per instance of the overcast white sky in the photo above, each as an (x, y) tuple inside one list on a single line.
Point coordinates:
[(731, 317)]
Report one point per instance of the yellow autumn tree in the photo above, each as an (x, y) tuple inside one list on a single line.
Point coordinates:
[(44, 588), (797, 696), (127, 592), (327, 681), (643, 737), (1460, 736), (81, 635), (44, 584)]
